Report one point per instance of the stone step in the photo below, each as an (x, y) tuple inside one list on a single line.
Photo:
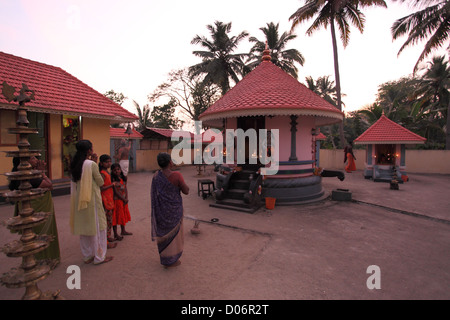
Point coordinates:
[(240, 184), (235, 205), (236, 194)]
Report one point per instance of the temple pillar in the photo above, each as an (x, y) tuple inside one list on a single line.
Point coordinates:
[(402, 155), (293, 156)]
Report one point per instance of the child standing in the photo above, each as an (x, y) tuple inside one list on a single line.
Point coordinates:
[(107, 191), (121, 213)]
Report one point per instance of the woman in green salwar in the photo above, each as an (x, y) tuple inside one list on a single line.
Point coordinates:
[(42, 204)]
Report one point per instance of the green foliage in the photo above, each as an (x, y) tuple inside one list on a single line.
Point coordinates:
[(117, 97), (324, 87), (430, 24), (164, 116), (280, 56), (328, 13), (192, 95), (144, 120), (418, 103), (219, 62)]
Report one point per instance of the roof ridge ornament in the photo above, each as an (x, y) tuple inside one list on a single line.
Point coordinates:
[(266, 54)]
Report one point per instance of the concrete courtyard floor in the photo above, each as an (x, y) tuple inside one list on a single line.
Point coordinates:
[(314, 251)]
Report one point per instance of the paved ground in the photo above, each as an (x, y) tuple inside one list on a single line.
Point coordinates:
[(314, 251)]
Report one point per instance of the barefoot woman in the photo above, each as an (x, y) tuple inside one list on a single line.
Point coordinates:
[(167, 211), (87, 216)]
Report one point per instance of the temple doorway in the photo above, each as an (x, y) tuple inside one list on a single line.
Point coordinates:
[(385, 154), (256, 123)]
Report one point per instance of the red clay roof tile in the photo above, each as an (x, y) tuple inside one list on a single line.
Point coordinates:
[(120, 133)]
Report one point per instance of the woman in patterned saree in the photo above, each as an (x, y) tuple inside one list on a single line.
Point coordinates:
[(167, 211)]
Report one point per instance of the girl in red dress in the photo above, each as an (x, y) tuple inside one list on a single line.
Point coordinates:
[(107, 194), (121, 213)]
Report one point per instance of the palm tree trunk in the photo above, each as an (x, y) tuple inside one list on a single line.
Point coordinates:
[(447, 137), (338, 82)]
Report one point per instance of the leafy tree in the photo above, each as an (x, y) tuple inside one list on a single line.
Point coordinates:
[(396, 98), (280, 56), (117, 97), (191, 94), (164, 116), (431, 23), (370, 114), (419, 103), (354, 126), (219, 62), (327, 13)]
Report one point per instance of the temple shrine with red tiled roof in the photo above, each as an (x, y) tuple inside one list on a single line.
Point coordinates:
[(269, 98), (386, 144), (64, 110)]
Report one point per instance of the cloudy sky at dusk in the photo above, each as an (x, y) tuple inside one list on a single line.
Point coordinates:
[(130, 46)]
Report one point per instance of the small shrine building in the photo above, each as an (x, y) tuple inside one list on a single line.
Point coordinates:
[(386, 145)]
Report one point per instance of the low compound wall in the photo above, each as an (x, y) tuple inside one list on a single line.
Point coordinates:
[(417, 161)]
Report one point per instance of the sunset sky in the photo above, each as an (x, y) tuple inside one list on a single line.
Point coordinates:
[(131, 46)]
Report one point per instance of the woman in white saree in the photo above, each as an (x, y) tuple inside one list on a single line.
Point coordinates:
[(87, 216)]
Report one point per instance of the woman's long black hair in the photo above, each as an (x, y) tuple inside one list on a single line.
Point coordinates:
[(76, 166)]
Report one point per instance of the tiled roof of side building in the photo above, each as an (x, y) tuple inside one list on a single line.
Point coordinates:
[(57, 91), (120, 133), (387, 131)]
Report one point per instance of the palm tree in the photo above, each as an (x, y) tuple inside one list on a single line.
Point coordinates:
[(432, 23), (281, 57), (329, 12), (143, 116), (435, 83), (324, 87), (326, 90), (219, 62), (434, 87), (396, 98), (371, 113)]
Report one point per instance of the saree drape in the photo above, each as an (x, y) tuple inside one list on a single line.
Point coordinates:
[(87, 216), (45, 204), (167, 219), (351, 166)]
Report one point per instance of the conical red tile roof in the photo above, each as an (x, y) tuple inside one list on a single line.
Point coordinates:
[(268, 90), (57, 91), (386, 131)]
